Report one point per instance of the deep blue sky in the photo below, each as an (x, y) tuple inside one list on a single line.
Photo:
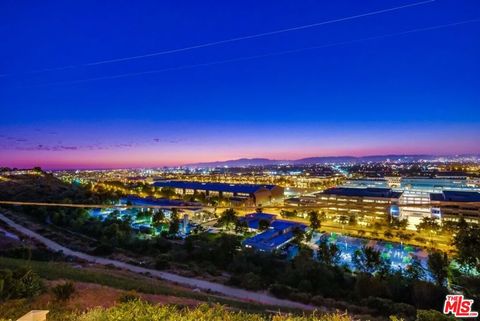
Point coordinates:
[(411, 93)]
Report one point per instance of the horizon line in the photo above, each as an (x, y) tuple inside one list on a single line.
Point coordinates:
[(82, 167)]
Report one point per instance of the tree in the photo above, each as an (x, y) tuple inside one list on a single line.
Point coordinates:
[(315, 222), (241, 227), (144, 215), (429, 224), (328, 253), (467, 242), (388, 234), (114, 215), (438, 266), (322, 216), (298, 236), (263, 225), (174, 222), (228, 218), (158, 218), (20, 283), (368, 260), (343, 219), (415, 270), (352, 220), (397, 223), (286, 214)]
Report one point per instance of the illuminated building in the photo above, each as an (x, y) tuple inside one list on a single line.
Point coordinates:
[(451, 205), (366, 182), (417, 194), (275, 237), (239, 194), (366, 205)]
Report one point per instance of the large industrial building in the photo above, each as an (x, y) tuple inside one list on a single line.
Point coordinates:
[(451, 205), (417, 194), (237, 194), (366, 204)]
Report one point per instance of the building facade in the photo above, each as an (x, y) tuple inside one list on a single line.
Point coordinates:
[(450, 206), (237, 194), (365, 205)]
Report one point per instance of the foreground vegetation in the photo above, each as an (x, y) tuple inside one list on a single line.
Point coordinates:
[(137, 310), (111, 278)]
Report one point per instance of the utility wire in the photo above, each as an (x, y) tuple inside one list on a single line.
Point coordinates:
[(220, 42), (266, 55), (258, 35)]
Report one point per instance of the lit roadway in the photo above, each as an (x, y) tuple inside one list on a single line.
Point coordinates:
[(186, 281), (426, 205)]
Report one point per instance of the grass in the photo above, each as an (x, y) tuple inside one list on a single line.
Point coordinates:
[(125, 281), (143, 311)]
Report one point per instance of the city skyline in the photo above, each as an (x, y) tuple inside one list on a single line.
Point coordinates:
[(280, 82)]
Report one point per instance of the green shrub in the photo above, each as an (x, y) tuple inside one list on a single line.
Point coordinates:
[(162, 262), (143, 311), (432, 315), (129, 296), (63, 292), (251, 281), (280, 291), (19, 283)]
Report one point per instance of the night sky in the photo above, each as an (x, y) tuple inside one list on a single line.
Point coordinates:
[(401, 81)]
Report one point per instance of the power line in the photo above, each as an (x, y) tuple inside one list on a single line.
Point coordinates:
[(230, 40), (258, 35), (271, 54)]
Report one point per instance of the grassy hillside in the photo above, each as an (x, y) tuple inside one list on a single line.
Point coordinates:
[(143, 311), (43, 187), (121, 280)]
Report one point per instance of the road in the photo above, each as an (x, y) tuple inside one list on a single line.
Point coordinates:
[(266, 207), (186, 281)]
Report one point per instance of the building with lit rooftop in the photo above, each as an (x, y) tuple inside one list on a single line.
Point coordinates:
[(239, 194)]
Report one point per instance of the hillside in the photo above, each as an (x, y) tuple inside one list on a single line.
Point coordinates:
[(43, 187), (242, 162)]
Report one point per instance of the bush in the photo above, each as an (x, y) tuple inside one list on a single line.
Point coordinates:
[(63, 292), (318, 300), (387, 307), (280, 291), (20, 283), (129, 296), (432, 315), (140, 310), (251, 281), (103, 249), (300, 297), (13, 309), (162, 262)]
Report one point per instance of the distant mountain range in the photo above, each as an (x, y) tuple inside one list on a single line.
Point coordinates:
[(242, 162)]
